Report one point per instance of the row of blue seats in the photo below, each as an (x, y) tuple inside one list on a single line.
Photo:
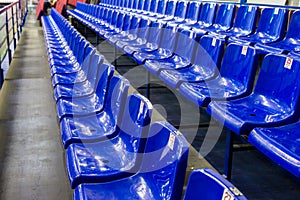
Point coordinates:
[(112, 151), (273, 101), (222, 21)]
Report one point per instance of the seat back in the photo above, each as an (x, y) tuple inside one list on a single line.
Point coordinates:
[(181, 9), (170, 7), (193, 11), (209, 185), (134, 25), (127, 22), (89, 53), (144, 28), (239, 65), (135, 4), (116, 97), (166, 155), (212, 50), (161, 6), (185, 44), (140, 5), (81, 51), (272, 22), (294, 26), (135, 123), (279, 79), (155, 32), (245, 18), (168, 39), (120, 20), (146, 6), (104, 74), (225, 15), (95, 63), (207, 14), (153, 6), (114, 18)]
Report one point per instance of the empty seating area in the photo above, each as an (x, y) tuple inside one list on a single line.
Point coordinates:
[(156, 99)]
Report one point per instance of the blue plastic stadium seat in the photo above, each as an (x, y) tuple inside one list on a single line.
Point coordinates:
[(223, 20), (83, 88), (152, 41), (152, 7), (122, 30), (274, 101), (118, 157), (182, 58), (206, 17), (79, 76), (270, 28), (98, 127), (205, 64), (161, 175), (138, 36), (235, 80), (244, 22), (180, 12), (206, 184), (160, 10), (192, 14), (166, 46), (281, 144), (169, 10), (121, 19), (128, 35), (87, 105), (289, 43)]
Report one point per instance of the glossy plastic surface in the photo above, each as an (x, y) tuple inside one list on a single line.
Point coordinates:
[(235, 80), (224, 18), (244, 23), (274, 101), (87, 105), (206, 184), (84, 88), (166, 46), (78, 76), (205, 64), (206, 17), (101, 126), (289, 43), (155, 31), (161, 175), (118, 157), (183, 54), (270, 28), (280, 144)]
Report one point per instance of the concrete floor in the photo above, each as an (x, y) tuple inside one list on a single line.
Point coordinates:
[(32, 158)]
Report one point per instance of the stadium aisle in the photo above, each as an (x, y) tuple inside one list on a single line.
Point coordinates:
[(32, 158)]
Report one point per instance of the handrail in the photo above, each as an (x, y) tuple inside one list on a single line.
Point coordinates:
[(5, 8), (10, 27)]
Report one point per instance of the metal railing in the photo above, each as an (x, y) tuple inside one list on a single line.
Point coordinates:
[(11, 20)]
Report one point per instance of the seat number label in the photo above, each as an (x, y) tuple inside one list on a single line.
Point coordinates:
[(276, 11), (288, 63), (171, 141), (213, 42), (227, 195), (244, 50)]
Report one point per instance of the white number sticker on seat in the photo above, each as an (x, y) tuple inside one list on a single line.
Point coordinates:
[(171, 141), (288, 63), (244, 50), (227, 195)]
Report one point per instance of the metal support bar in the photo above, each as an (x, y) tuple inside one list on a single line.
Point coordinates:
[(148, 84), (228, 155)]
